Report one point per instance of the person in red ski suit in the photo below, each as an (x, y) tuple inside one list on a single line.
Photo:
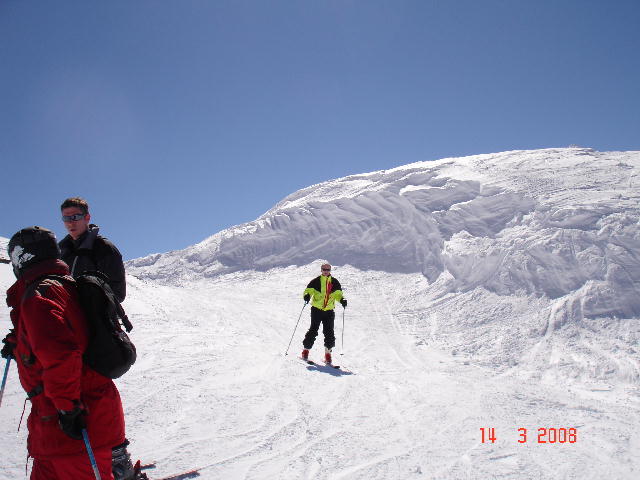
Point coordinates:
[(49, 336)]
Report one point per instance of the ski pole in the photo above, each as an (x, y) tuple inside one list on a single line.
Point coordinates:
[(342, 352), (296, 327), (92, 458), (4, 378)]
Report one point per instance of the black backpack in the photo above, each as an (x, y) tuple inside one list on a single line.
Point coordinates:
[(110, 352)]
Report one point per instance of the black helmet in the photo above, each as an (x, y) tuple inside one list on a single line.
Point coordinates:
[(32, 245)]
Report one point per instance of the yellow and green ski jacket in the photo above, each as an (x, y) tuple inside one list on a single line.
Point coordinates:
[(324, 291)]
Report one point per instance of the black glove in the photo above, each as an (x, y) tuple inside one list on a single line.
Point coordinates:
[(72, 423), (307, 297), (10, 342), (343, 302)]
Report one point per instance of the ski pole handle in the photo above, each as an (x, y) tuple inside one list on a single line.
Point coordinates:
[(92, 458), (4, 377)]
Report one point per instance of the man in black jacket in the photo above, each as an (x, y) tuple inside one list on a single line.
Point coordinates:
[(85, 250)]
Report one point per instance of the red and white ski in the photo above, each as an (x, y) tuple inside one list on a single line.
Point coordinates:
[(316, 364), (176, 476), (181, 476)]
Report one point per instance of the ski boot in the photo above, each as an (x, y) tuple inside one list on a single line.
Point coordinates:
[(327, 356), (305, 354), (121, 462)]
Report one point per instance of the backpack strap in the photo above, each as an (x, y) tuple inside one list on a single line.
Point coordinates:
[(102, 282), (119, 310), (100, 279), (34, 284), (35, 392)]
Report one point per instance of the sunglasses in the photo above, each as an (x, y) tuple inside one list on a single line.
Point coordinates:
[(73, 218), (326, 269)]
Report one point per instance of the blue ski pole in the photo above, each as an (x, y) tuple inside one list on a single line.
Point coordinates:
[(92, 458), (4, 378)]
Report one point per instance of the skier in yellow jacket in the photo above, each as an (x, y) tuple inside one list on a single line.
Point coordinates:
[(323, 291)]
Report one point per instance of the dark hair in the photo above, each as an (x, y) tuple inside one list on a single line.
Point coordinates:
[(78, 202)]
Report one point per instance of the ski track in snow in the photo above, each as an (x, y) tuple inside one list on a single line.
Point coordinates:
[(509, 301), (213, 389)]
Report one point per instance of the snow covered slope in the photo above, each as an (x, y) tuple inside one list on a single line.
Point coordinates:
[(4, 256), (512, 246), (212, 388), (6, 274)]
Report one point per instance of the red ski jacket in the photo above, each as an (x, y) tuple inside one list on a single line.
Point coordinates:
[(51, 333)]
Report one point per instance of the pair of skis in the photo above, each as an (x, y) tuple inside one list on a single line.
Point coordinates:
[(315, 364), (326, 367)]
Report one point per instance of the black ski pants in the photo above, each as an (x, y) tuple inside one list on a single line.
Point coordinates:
[(326, 317)]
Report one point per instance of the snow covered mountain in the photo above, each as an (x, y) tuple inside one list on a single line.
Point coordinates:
[(4, 256), (494, 291), (546, 222)]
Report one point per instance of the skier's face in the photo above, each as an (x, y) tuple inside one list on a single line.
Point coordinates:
[(326, 270), (75, 227)]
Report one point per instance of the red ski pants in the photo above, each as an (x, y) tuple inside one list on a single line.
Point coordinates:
[(73, 467)]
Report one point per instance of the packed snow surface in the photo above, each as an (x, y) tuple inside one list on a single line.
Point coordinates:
[(496, 291)]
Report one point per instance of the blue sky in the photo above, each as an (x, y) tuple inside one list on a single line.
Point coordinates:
[(177, 119)]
